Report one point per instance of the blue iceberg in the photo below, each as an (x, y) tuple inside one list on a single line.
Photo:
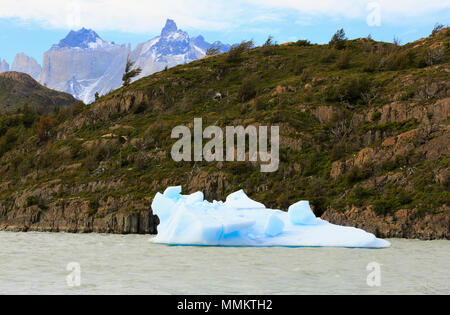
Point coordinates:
[(241, 221)]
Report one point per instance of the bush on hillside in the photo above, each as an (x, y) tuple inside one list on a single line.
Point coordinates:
[(350, 89), (338, 41), (434, 56), (343, 61), (437, 28), (43, 127), (235, 53), (248, 88), (372, 63), (303, 43)]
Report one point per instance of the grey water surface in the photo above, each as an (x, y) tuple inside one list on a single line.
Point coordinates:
[(36, 263)]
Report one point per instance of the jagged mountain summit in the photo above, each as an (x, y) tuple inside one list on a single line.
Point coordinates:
[(201, 43), (28, 65), (83, 38), (83, 64), (4, 66), (171, 48)]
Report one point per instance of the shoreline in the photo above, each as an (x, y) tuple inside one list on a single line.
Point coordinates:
[(212, 246), (403, 224)]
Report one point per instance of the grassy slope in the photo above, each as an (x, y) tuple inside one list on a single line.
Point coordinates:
[(306, 77)]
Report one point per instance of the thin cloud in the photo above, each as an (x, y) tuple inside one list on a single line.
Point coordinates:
[(391, 10), (148, 16), (128, 16)]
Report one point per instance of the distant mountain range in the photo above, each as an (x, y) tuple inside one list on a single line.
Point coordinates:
[(83, 64)]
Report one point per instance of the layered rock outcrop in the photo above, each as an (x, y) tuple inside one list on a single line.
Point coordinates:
[(409, 224)]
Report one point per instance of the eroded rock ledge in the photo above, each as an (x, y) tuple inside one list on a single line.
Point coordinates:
[(408, 224), (76, 218)]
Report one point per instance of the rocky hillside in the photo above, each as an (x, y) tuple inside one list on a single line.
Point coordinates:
[(364, 132), (19, 89)]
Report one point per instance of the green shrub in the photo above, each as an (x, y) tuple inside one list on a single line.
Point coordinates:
[(357, 174), (349, 89), (400, 60), (235, 53), (434, 56), (303, 43), (248, 88), (29, 116), (269, 47), (140, 108), (36, 201), (8, 141), (362, 193), (376, 116), (329, 56), (383, 207), (437, 28), (260, 104), (343, 61), (94, 205), (270, 42), (371, 64), (213, 50), (404, 198)]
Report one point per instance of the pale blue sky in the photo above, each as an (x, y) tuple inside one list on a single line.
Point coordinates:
[(33, 26)]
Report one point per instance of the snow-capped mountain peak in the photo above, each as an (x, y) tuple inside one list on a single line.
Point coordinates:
[(169, 28), (170, 33), (83, 38), (84, 64)]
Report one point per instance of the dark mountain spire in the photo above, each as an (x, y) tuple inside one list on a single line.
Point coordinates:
[(170, 28)]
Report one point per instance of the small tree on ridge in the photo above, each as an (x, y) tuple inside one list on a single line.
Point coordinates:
[(338, 40), (130, 73)]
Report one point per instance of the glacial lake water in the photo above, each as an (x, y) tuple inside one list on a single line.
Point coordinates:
[(35, 263)]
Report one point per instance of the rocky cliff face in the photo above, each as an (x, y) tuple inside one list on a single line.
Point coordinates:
[(83, 64), (28, 65), (407, 223), (78, 217), (4, 66)]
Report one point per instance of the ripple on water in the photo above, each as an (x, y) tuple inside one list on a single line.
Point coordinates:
[(35, 263)]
